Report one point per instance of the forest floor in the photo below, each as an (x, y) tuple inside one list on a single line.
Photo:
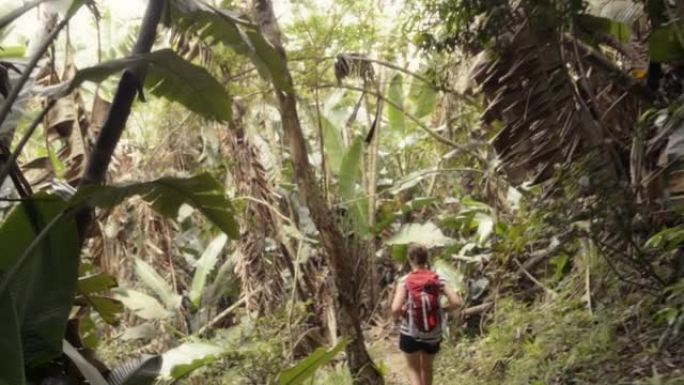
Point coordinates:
[(386, 353)]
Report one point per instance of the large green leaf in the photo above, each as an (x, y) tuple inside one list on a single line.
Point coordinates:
[(168, 76), (88, 332), (622, 11), (43, 284), (204, 266), (209, 23), (12, 52), (485, 226), (94, 289), (426, 234), (141, 304), (178, 80), (668, 239), (395, 116), (350, 174), (448, 272), (96, 283), (334, 148), (182, 360), (149, 276), (422, 97), (305, 369), (108, 308), (469, 204), (11, 357), (664, 44), (267, 58), (350, 170), (167, 195), (605, 26), (218, 25)]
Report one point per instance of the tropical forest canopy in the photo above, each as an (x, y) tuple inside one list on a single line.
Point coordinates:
[(224, 192)]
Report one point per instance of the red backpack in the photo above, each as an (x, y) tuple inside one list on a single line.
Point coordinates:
[(423, 288)]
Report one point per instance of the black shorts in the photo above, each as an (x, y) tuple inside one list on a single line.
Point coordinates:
[(410, 345)]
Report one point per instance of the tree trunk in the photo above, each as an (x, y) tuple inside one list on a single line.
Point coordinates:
[(261, 281), (129, 85), (362, 368), (372, 189)]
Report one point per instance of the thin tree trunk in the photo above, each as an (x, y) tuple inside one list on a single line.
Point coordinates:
[(363, 370), (321, 141), (129, 85), (362, 367), (372, 185)]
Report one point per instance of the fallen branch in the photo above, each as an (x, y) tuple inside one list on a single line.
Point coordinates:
[(477, 309), (221, 316), (533, 279), (536, 257)]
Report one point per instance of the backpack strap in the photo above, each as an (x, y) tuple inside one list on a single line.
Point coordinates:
[(425, 303), (410, 305)]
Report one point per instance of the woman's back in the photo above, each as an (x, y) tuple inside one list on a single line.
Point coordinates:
[(414, 321)]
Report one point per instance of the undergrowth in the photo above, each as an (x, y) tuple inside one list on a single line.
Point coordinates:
[(559, 341)]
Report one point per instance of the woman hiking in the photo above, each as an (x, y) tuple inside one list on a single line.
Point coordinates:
[(416, 301)]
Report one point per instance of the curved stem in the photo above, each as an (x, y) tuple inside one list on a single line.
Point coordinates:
[(420, 124), (11, 161), (269, 206), (420, 77), (383, 63)]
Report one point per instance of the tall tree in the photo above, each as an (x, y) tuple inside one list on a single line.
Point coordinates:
[(360, 364), (130, 84)]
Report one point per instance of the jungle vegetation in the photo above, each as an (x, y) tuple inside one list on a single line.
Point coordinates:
[(223, 192)]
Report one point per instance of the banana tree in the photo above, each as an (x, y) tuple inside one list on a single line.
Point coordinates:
[(45, 225)]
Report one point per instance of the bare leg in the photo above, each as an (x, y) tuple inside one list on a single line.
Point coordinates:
[(414, 366), (426, 361)]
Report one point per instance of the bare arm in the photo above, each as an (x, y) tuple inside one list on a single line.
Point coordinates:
[(454, 299), (398, 301)]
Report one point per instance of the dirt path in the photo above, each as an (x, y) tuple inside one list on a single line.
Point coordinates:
[(386, 353)]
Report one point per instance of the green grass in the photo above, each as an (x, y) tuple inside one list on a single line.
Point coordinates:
[(558, 342)]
